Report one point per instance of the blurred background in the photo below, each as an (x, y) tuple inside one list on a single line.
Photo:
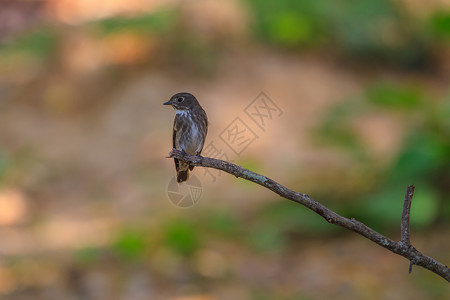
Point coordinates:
[(353, 100)]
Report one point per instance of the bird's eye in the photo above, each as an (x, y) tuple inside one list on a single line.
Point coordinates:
[(180, 99)]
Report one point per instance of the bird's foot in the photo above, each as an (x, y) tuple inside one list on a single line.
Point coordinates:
[(170, 153)]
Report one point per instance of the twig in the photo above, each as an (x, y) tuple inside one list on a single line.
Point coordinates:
[(400, 248), (405, 232)]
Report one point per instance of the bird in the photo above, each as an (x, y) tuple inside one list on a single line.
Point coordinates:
[(189, 130)]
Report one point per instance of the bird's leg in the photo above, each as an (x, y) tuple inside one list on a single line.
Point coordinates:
[(199, 157), (184, 154)]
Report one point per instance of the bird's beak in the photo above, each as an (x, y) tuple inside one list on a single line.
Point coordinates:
[(167, 103)]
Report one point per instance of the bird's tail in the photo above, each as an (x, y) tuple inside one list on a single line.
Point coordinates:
[(183, 173)]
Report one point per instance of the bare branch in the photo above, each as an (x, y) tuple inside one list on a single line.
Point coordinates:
[(405, 232), (401, 248)]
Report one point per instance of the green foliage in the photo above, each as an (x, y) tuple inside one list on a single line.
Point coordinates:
[(159, 21), (422, 155), (277, 223), (383, 208), (41, 43), (266, 238), (425, 206), (222, 221), (181, 237), (364, 28), (287, 23), (130, 244), (439, 24), (423, 159), (88, 255), (336, 127), (390, 95), (375, 29), (289, 218), (442, 116), (290, 29)]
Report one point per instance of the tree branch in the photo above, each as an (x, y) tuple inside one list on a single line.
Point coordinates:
[(405, 231), (403, 247)]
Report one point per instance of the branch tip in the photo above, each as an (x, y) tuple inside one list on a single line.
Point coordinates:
[(405, 229)]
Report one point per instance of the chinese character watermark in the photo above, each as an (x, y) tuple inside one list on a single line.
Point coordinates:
[(238, 136), (262, 109)]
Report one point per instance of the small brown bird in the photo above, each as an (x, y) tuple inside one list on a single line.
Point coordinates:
[(189, 129)]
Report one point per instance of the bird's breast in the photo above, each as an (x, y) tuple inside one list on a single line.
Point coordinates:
[(190, 135)]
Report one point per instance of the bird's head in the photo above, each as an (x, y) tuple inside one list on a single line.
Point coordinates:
[(182, 101)]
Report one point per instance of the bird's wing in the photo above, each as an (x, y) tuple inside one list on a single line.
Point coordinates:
[(205, 128), (177, 164)]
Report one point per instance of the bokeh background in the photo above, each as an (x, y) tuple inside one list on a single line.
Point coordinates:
[(363, 92)]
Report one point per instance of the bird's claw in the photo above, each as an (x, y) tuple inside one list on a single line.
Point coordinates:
[(170, 154)]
